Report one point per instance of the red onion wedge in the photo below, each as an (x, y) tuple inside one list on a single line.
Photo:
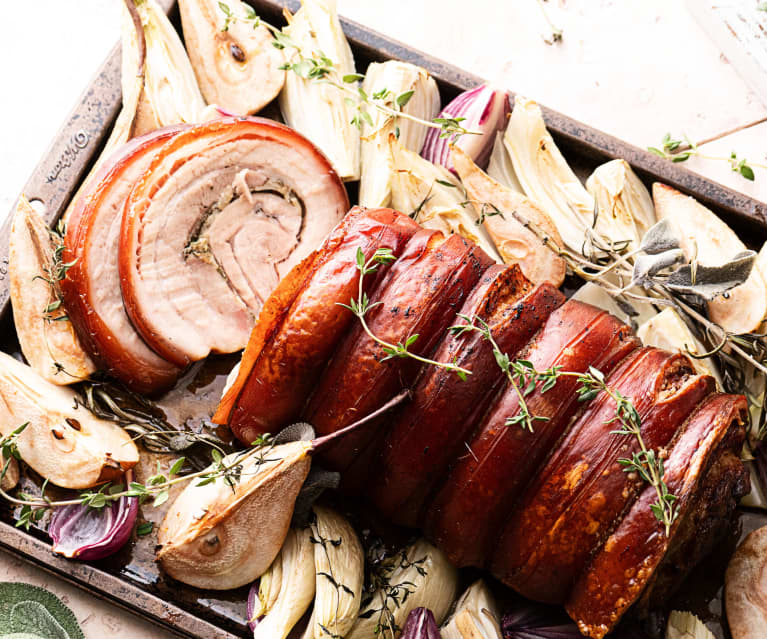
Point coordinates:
[(252, 599), (82, 532), (420, 624), (486, 110)]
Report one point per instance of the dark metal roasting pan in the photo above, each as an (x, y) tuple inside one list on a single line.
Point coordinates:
[(131, 579)]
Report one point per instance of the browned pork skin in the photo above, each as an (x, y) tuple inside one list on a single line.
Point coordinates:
[(420, 295), (621, 570), (223, 212), (279, 368), (579, 496), (91, 288), (465, 515), (432, 428), (551, 501)]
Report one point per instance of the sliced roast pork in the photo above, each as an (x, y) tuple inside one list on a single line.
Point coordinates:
[(281, 363), (551, 512), (467, 512), (91, 287), (433, 427), (223, 212), (420, 296)]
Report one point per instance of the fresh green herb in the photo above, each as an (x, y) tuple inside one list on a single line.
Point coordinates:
[(678, 150), (556, 32), (393, 595), (317, 67), (524, 379), (144, 529), (362, 305)]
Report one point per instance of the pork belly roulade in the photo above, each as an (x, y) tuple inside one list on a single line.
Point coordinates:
[(91, 288), (221, 215), (551, 512)]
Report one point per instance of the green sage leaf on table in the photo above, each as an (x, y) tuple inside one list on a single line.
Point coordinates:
[(710, 282), (31, 612)]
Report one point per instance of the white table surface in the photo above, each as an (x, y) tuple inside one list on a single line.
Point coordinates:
[(632, 69)]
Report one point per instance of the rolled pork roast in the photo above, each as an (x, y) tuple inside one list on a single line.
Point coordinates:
[(551, 512)]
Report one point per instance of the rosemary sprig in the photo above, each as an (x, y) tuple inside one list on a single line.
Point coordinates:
[(677, 150), (362, 305), (316, 66), (524, 379), (157, 487)]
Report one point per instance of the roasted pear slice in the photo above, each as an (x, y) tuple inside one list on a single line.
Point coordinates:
[(516, 244), (63, 441), (47, 337), (236, 65), (223, 534)]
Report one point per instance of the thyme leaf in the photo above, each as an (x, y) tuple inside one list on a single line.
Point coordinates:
[(362, 305)]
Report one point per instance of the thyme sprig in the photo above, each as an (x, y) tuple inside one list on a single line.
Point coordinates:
[(678, 150), (393, 595), (318, 67), (731, 350), (157, 487), (556, 32), (524, 379), (362, 305)]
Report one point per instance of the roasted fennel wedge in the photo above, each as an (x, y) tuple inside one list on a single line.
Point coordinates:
[(318, 110), (402, 86)]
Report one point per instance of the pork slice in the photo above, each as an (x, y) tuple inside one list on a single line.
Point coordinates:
[(219, 218), (91, 288), (467, 513)]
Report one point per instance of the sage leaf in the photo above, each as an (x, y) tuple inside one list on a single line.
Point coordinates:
[(33, 618), (712, 281), (648, 266), (298, 432), (659, 238), (31, 611)]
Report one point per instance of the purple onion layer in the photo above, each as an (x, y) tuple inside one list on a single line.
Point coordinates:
[(82, 532), (486, 111)]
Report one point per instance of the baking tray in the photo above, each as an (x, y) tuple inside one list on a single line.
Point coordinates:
[(188, 612)]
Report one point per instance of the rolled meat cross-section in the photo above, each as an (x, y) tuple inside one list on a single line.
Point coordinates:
[(421, 294), (481, 489), (581, 493), (91, 288), (282, 362), (621, 571), (433, 427), (222, 213)]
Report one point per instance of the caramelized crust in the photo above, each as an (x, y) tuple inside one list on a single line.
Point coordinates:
[(420, 296), (479, 492), (432, 428)]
